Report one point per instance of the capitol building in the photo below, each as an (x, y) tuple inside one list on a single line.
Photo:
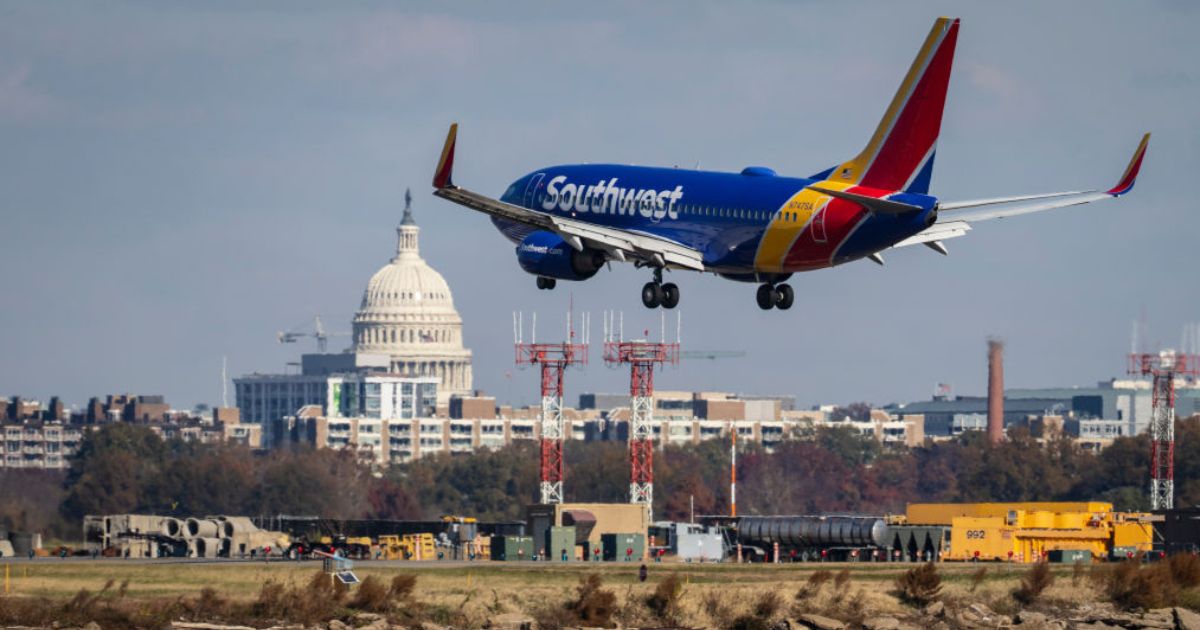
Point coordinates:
[(407, 313)]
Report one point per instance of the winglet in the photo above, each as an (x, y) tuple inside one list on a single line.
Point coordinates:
[(1131, 171), (445, 167)]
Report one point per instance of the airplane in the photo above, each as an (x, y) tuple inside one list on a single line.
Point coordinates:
[(756, 226)]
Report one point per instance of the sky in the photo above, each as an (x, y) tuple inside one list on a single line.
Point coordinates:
[(180, 181)]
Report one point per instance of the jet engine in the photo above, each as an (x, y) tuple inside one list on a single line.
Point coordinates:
[(546, 254)]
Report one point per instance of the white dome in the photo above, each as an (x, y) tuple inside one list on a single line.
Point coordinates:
[(407, 312), (405, 286)]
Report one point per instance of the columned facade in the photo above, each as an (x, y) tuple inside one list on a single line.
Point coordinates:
[(408, 313)]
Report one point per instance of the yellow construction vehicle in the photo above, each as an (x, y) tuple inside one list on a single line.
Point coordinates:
[(408, 547)]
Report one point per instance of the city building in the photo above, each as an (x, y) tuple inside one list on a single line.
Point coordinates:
[(882, 426), (1093, 415), (38, 441), (383, 441), (1125, 402), (39, 444), (943, 417), (275, 401), (407, 313)]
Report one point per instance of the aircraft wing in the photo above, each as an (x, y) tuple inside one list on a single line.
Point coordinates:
[(617, 243), (952, 224)]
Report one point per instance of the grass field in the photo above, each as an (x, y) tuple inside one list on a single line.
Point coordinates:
[(472, 594)]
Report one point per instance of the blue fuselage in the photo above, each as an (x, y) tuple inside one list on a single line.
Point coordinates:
[(742, 223)]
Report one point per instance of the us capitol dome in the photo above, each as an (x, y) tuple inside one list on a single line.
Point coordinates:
[(408, 313)]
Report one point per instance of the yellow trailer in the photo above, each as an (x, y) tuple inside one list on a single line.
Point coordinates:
[(1012, 533), (408, 547), (944, 513)]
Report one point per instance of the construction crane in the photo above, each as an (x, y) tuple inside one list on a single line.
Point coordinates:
[(318, 332), (712, 354)]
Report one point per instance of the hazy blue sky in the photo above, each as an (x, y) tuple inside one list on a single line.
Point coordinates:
[(180, 181)]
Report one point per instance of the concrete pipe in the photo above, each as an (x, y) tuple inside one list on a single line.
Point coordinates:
[(234, 525), (172, 527), (22, 543), (207, 547), (202, 528)]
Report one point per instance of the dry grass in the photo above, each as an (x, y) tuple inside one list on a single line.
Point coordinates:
[(1034, 584), (919, 585), (723, 596)]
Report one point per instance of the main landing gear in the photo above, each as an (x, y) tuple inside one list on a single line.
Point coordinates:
[(656, 294), (546, 283), (778, 296)]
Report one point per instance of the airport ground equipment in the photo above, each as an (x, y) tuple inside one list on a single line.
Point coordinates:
[(590, 520), (1178, 530), (1029, 532), (913, 543), (842, 537), (1069, 556), (641, 356), (688, 541), (510, 548), (553, 359), (623, 547), (560, 544), (1163, 367), (337, 567)]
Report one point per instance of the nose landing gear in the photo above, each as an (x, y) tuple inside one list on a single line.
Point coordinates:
[(771, 296), (546, 283), (656, 294)]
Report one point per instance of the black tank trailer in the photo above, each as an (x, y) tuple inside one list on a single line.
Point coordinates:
[(814, 538)]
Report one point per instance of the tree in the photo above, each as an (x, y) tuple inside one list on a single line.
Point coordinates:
[(854, 448), (389, 499)]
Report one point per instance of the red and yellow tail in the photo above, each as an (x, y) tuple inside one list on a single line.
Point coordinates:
[(900, 154)]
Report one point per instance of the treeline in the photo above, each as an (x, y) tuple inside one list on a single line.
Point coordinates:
[(124, 468)]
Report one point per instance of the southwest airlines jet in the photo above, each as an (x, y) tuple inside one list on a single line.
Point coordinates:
[(754, 226)]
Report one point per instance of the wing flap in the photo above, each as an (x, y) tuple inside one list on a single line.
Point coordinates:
[(937, 232)]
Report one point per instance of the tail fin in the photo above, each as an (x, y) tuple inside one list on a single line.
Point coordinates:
[(900, 154)]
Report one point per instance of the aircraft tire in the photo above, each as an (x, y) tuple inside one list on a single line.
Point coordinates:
[(670, 295), (545, 283), (766, 297), (652, 295), (784, 297)]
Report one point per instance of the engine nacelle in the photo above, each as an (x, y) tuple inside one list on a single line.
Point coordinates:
[(547, 254)]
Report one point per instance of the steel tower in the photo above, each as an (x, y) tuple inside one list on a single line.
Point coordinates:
[(1163, 367)]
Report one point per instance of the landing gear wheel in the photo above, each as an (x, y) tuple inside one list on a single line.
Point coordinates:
[(652, 294), (670, 295), (546, 283), (766, 297), (784, 296)]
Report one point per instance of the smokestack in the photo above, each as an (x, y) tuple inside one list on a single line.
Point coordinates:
[(995, 419)]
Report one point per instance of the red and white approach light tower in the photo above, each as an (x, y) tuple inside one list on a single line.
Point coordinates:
[(1163, 367), (553, 359), (642, 356)]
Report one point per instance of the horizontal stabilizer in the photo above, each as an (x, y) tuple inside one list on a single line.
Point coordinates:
[(874, 204)]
